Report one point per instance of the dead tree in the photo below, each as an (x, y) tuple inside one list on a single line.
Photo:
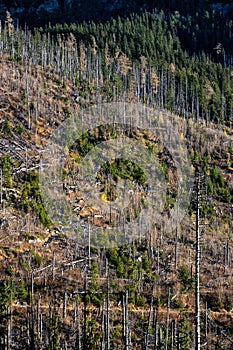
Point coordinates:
[(1, 181), (126, 335), (167, 320), (77, 320), (32, 335), (197, 264)]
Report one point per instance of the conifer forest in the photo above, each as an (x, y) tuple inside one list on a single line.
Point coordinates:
[(157, 77)]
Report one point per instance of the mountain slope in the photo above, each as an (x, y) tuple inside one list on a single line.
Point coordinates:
[(56, 293), (42, 12)]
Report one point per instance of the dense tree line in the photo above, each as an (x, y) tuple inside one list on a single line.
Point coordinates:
[(70, 11), (135, 54)]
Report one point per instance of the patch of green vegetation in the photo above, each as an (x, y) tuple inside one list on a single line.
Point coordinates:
[(28, 236), (164, 167), (20, 129), (194, 157), (7, 127), (186, 280), (83, 144), (93, 335), (150, 146), (31, 198), (124, 169), (90, 139), (7, 164), (22, 291), (186, 333), (23, 263), (218, 187), (6, 294), (140, 300), (54, 331), (59, 82)]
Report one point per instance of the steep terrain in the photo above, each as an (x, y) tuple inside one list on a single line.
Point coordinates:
[(42, 12), (58, 294)]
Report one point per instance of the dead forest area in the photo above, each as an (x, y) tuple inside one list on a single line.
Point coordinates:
[(58, 294)]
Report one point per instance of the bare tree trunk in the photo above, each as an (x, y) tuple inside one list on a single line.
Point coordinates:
[(85, 308), (176, 248), (78, 338), (178, 340), (75, 313), (89, 246), (64, 305), (103, 344), (206, 321), (28, 326), (27, 94), (173, 334), (149, 320), (123, 318), (226, 254), (39, 319), (1, 180), (197, 278), (107, 312), (9, 329), (126, 322), (53, 267), (167, 320), (32, 338)]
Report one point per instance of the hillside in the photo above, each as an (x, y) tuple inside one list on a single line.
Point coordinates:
[(59, 294), (38, 13)]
